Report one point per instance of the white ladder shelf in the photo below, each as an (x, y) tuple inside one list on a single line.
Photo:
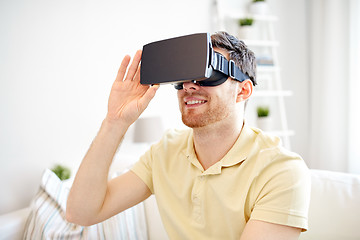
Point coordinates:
[(266, 42)]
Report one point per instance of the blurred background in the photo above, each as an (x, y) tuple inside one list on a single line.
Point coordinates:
[(58, 60)]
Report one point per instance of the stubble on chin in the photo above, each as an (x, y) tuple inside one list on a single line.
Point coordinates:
[(193, 121), (199, 120)]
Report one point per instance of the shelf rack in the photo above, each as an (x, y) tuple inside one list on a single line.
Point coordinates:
[(266, 42)]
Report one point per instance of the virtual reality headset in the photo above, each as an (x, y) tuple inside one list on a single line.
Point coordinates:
[(189, 58)]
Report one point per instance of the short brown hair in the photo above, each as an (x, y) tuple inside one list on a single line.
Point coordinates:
[(243, 57)]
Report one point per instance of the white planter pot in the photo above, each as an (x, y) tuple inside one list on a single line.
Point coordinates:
[(264, 123), (259, 8), (246, 32)]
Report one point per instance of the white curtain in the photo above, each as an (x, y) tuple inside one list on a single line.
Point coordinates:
[(332, 85), (354, 88), (328, 84)]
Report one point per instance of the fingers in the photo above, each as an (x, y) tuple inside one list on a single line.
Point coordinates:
[(137, 75), (134, 66), (133, 69), (122, 70)]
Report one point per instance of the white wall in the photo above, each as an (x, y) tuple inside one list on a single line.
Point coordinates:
[(58, 61), (59, 58)]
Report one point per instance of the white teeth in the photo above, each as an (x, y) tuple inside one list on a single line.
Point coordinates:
[(194, 102)]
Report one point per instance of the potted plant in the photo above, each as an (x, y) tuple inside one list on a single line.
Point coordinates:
[(62, 172), (263, 117), (246, 28), (259, 7), (246, 21)]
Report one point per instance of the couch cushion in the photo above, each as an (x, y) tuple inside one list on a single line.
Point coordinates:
[(334, 211), (12, 224), (47, 217)]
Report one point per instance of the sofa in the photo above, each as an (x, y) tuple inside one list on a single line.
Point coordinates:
[(12, 225), (334, 212)]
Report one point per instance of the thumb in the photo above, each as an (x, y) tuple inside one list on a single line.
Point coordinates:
[(148, 96)]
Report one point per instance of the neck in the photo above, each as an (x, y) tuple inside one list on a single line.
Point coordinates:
[(213, 142)]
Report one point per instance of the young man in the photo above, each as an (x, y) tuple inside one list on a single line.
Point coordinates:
[(220, 179)]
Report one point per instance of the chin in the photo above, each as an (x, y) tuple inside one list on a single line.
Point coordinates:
[(199, 122), (193, 122)]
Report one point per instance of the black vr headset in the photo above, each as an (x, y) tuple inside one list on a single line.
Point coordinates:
[(188, 58)]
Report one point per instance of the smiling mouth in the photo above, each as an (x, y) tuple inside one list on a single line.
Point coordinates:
[(195, 102)]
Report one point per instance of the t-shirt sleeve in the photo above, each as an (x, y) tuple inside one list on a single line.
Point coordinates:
[(283, 193), (143, 169)]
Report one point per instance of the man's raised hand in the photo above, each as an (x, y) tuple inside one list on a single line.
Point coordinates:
[(128, 98)]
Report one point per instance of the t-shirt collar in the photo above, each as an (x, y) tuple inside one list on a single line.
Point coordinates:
[(237, 154)]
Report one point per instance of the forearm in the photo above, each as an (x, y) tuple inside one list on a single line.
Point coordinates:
[(91, 198), (90, 185)]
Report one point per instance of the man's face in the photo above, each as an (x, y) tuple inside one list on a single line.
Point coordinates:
[(201, 106)]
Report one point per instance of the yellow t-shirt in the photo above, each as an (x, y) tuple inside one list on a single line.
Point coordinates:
[(257, 179)]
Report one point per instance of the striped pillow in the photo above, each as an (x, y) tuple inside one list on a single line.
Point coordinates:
[(47, 217)]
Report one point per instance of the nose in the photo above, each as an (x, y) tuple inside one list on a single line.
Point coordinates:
[(190, 86)]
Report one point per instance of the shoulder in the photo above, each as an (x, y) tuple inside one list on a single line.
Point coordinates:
[(174, 138), (271, 158), (265, 140), (270, 146), (177, 134)]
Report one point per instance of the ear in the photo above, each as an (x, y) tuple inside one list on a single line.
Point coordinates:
[(245, 90)]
